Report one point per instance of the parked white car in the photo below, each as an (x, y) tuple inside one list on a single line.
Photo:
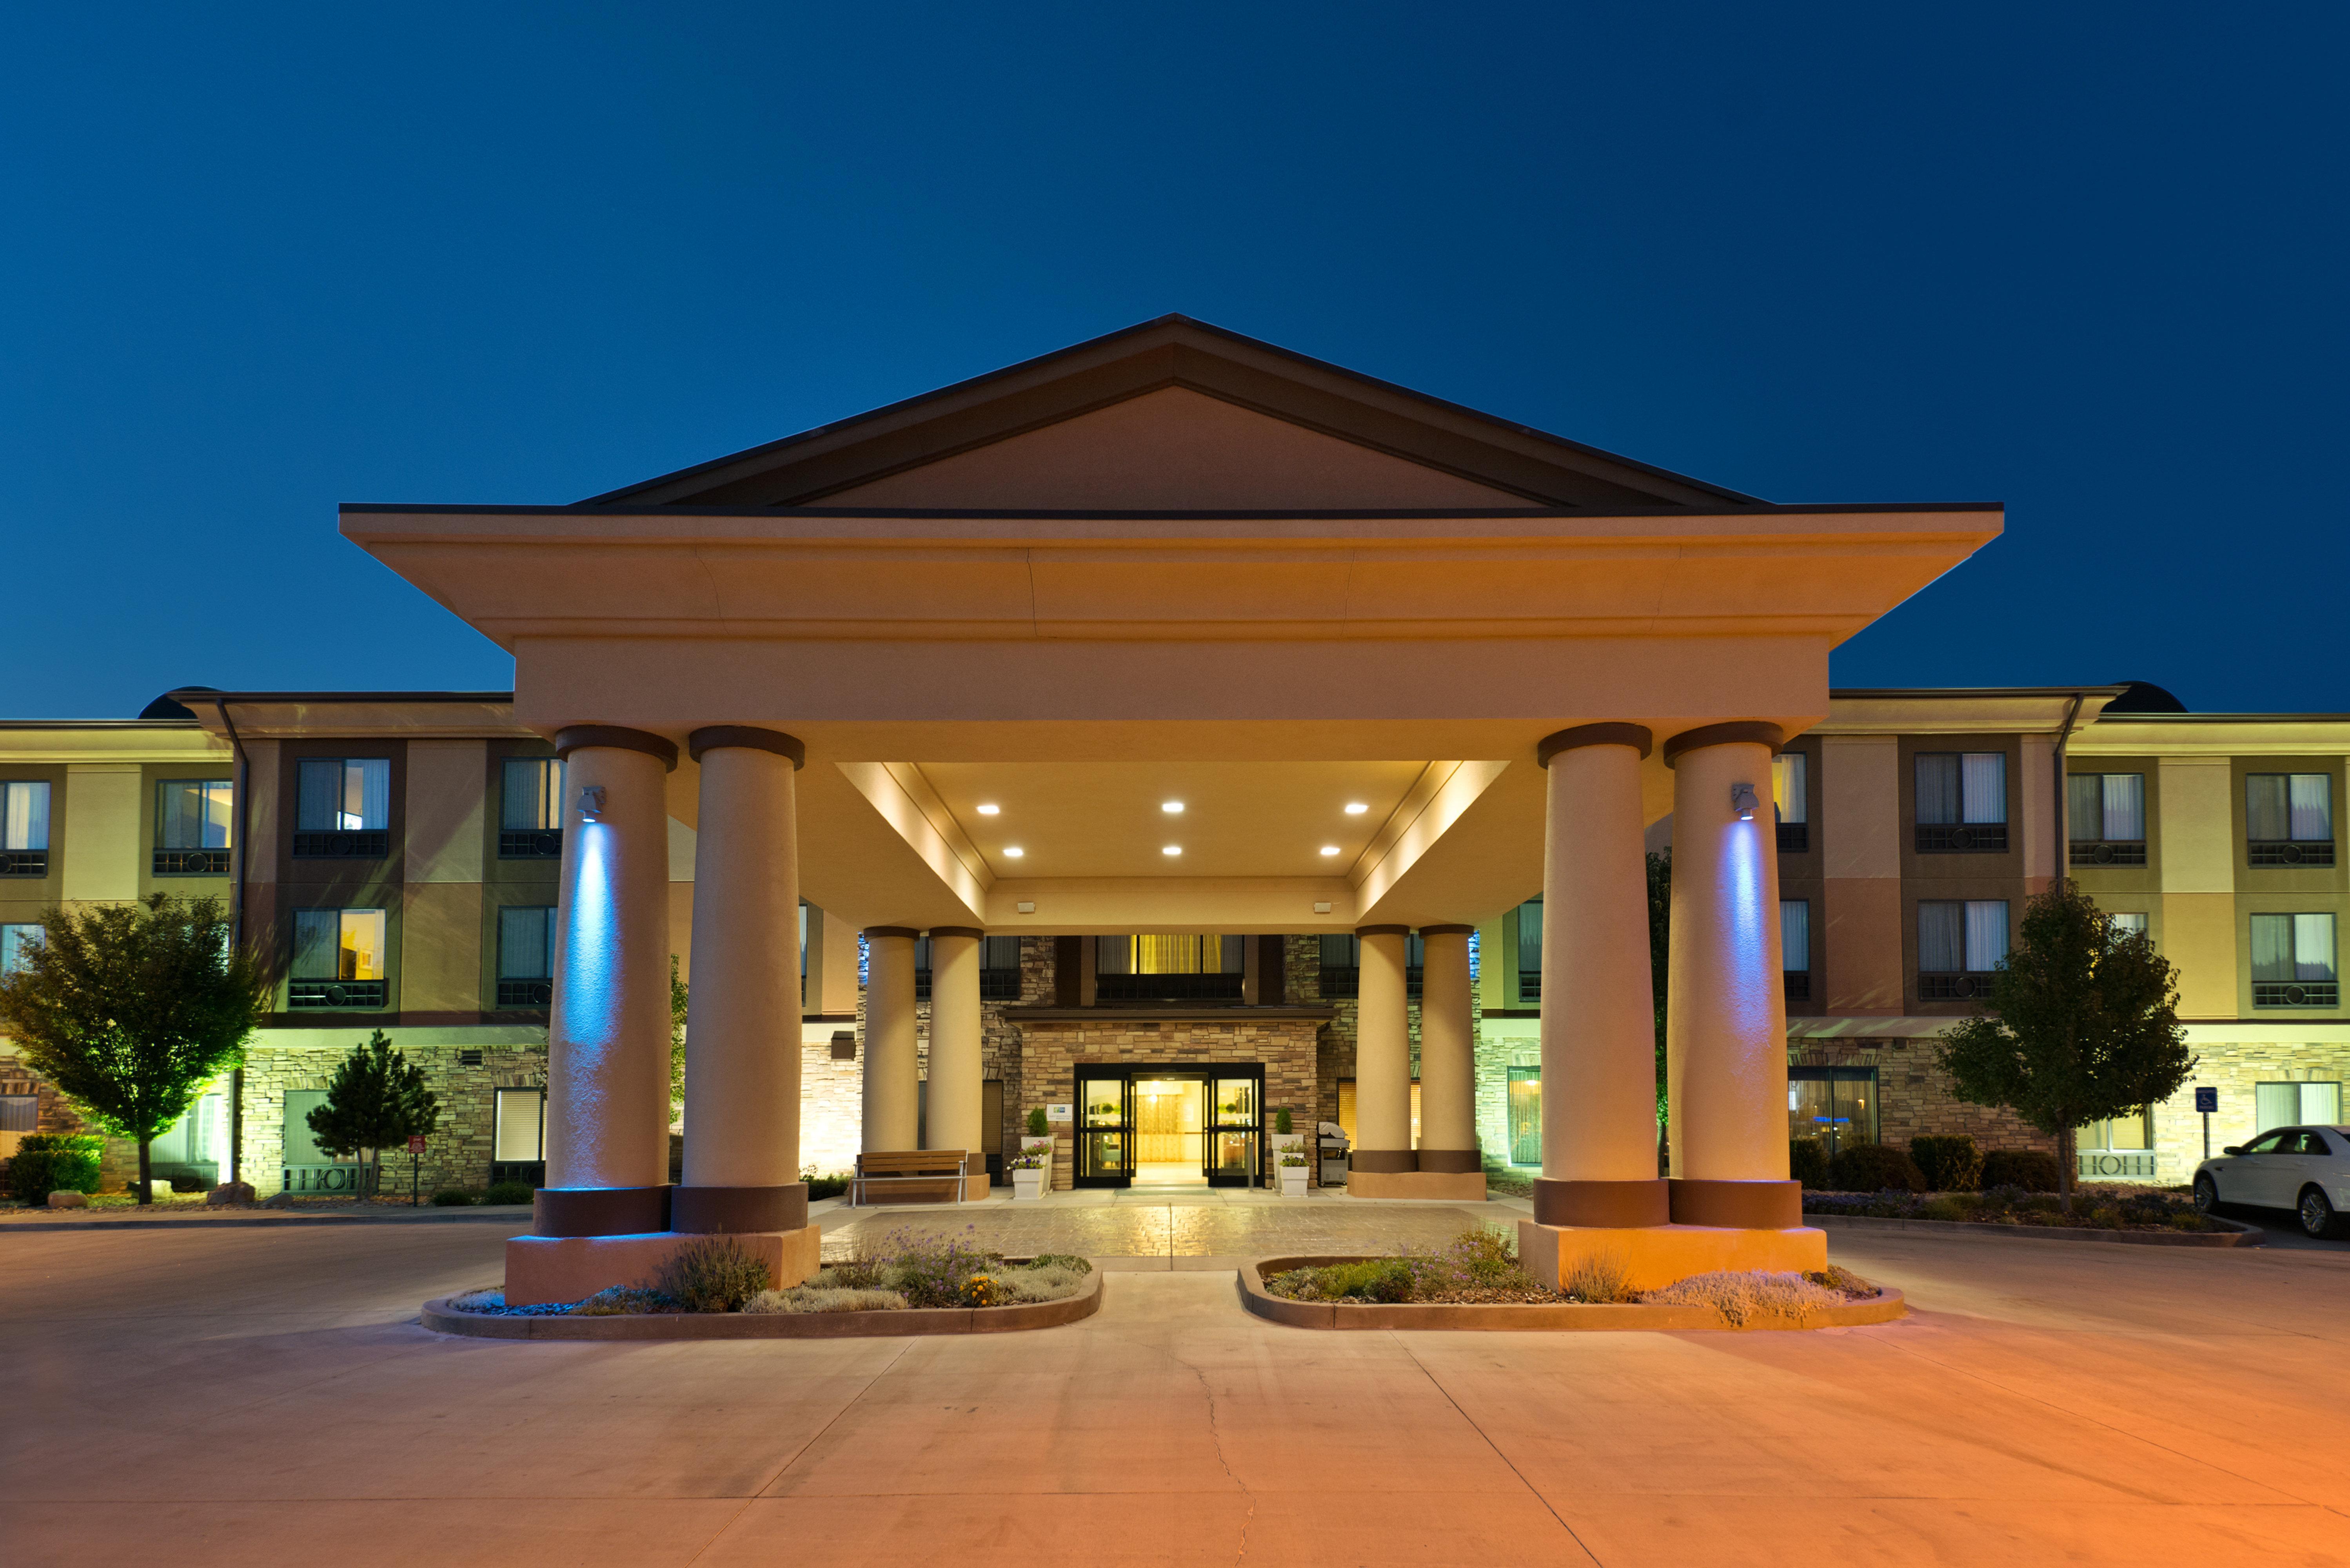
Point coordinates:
[(2305, 1170)]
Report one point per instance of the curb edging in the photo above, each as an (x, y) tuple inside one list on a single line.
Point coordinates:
[(1526, 1317), (2244, 1235)]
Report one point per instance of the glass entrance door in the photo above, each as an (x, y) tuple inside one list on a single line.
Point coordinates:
[(1104, 1129), (1171, 1130), (1234, 1134)]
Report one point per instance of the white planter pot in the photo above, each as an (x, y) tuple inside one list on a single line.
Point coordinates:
[(1028, 1184), (1292, 1181)]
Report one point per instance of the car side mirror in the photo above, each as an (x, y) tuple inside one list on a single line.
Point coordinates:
[(2233, 1148)]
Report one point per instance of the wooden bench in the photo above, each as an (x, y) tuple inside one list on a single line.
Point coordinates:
[(909, 1176)]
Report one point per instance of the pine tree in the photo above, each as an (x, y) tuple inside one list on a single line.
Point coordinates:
[(132, 1009), (2082, 1026), (375, 1100)]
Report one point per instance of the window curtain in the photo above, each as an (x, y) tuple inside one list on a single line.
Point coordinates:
[(532, 800), (1937, 788), (13, 940), (1983, 785), (1986, 934), (2312, 806), (2273, 948), (2129, 923), (318, 786), (193, 813), (1787, 785), (1795, 935), (2124, 797), (1341, 953), (521, 1119), (1113, 955), (2266, 818), (2313, 947), (2275, 1105), (995, 953), (2322, 1104), (318, 935), (367, 794), (2084, 803), (526, 942), (1942, 937), (27, 816), (1530, 937)]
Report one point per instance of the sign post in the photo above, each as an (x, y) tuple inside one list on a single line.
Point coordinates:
[(416, 1162), (2206, 1100)]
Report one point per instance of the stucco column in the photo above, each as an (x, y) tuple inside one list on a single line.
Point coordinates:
[(1598, 1015), (892, 1073), (1447, 1062), (742, 1019), (607, 1035), (1382, 1054), (1726, 1038), (953, 1117)]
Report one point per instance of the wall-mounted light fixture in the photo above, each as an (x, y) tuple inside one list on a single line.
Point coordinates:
[(591, 803), (1742, 801), (1026, 907)]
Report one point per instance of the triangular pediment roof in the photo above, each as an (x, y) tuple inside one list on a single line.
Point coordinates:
[(1175, 415)]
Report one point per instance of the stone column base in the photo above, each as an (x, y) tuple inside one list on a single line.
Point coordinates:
[(572, 1268), (1654, 1256), (1741, 1205), (1619, 1205), (1451, 1186), (732, 1210)]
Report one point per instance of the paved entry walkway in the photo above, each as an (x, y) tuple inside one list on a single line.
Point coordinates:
[(1180, 1228)]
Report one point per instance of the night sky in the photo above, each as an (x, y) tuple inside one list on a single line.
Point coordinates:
[(2086, 261)]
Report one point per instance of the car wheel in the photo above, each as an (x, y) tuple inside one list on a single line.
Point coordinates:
[(2207, 1194), (2316, 1214)]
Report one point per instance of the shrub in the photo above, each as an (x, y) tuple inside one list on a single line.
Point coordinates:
[(1951, 1164), (1807, 1161), (1037, 1126), (453, 1198), (1384, 1280), (615, 1301), (1875, 1167), (1598, 1278), (55, 1162), (1742, 1297), (1477, 1258), (1281, 1122), (2032, 1169), (1942, 1207), (931, 1269), (715, 1275), (1041, 1281), (820, 1186), (1068, 1260), (825, 1298), (509, 1192), (1835, 1278), (478, 1300), (978, 1290)]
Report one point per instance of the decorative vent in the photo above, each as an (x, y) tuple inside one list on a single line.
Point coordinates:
[(1799, 985), (1953, 987), (373, 844), (1961, 838), (2297, 993), (525, 992), (1794, 838), (2109, 853), (2297, 852), (531, 844), (469, 1058), (314, 993), (191, 863), (24, 862)]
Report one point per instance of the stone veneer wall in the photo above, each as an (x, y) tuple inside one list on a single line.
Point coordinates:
[(118, 1164), (457, 1152), (1914, 1097), (2234, 1067)]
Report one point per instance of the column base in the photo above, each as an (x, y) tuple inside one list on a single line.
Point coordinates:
[(728, 1210), (1383, 1160), (1654, 1256), (1745, 1205), (1452, 1161), (1449, 1186), (598, 1210), (573, 1268), (1608, 1205)]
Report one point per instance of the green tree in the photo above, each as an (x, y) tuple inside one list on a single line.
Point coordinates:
[(375, 1100), (1660, 953), (676, 1038), (2082, 1026), (131, 1009)]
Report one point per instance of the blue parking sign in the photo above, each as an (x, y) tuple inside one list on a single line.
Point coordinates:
[(2206, 1100)]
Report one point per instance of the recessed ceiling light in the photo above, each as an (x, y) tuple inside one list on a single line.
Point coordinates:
[(1356, 808), (1172, 849), (1012, 852), (1173, 808), (989, 809), (1330, 849)]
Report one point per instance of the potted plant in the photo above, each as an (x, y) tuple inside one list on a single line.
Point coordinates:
[(1029, 1169), (1288, 1154)]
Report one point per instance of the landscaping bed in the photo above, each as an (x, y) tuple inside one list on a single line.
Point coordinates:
[(906, 1283), (1476, 1282), (2140, 1215)]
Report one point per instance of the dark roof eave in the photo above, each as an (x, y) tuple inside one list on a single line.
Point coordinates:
[(585, 509)]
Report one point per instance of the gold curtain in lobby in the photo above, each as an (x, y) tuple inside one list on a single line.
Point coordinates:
[(1168, 1122)]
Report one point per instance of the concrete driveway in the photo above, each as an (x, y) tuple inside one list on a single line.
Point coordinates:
[(240, 1396)]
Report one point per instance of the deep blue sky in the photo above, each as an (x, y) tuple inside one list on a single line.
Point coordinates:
[(2089, 261)]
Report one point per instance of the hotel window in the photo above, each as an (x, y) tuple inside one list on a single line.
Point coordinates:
[(998, 967), (2293, 961), (1961, 801), (1529, 939), (1525, 1115), (338, 958), (342, 808), (1795, 947), (2120, 1148), (1959, 945), (518, 1136), (13, 940), (24, 829), (1342, 966), (19, 1114), (2128, 924), (2288, 819), (530, 809), (192, 828), (1837, 1105), (1788, 770), (525, 955), (1169, 968), (2108, 818), (2296, 1104)]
